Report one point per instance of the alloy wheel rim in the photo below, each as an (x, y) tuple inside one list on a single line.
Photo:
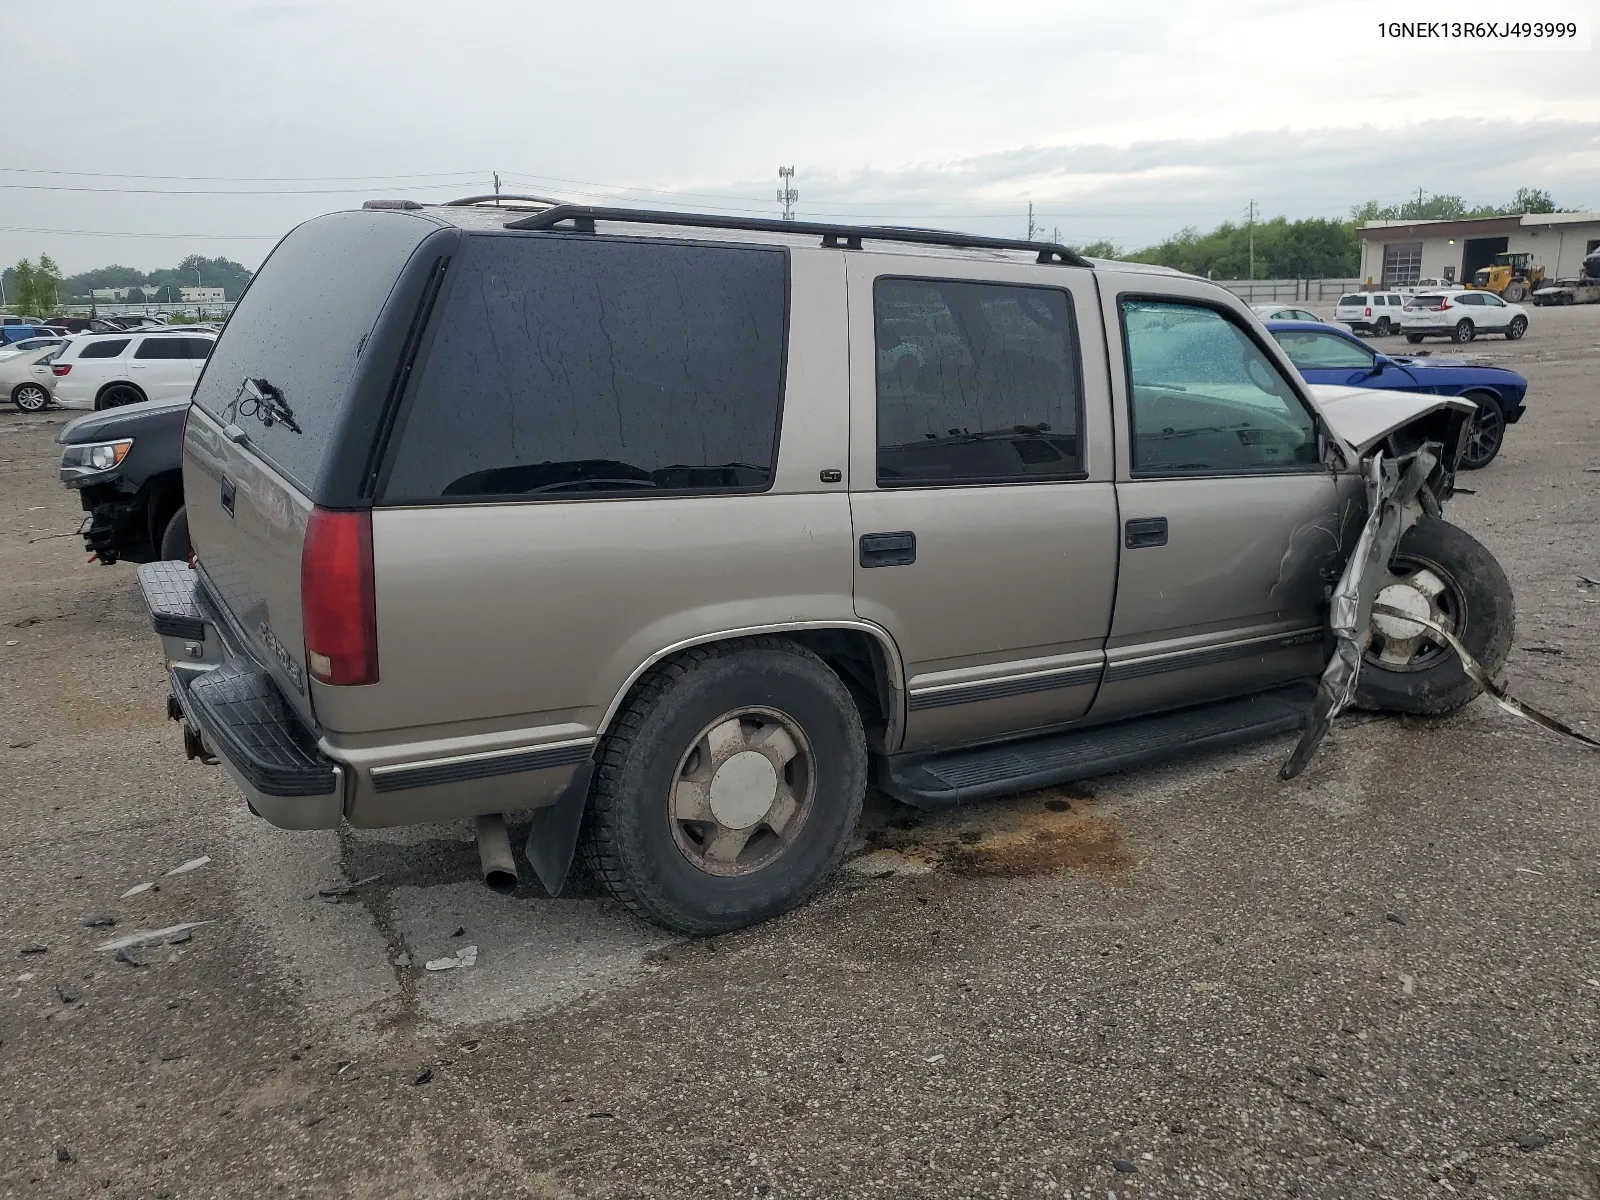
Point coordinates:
[(1422, 588), (1464, 331), (31, 399), (742, 791), (119, 396), (1483, 439)]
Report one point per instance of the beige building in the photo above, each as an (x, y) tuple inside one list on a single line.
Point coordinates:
[(1398, 253)]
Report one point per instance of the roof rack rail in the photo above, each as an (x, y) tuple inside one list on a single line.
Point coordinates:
[(465, 201), (841, 237)]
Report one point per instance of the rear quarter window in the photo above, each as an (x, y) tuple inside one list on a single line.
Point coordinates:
[(104, 349), (1352, 301), (565, 368)]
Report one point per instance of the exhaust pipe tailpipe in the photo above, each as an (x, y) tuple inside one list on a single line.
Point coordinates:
[(494, 852)]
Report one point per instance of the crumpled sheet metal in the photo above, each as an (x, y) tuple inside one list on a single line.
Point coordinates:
[(1481, 677), (1395, 499)]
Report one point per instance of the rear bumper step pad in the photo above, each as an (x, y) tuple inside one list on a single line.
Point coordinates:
[(245, 720), (959, 776), (169, 592)]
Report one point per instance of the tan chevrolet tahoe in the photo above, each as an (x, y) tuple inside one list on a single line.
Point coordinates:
[(681, 531)]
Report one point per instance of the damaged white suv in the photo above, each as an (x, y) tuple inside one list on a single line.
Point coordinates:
[(677, 529)]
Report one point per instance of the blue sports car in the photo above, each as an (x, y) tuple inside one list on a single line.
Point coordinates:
[(1334, 355)]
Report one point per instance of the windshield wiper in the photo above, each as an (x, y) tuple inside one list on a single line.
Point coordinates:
[(264, 401)]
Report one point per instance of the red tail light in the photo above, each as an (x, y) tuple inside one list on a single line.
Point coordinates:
[(1443, 306), (338, 598), (1368, 312), (60, 368)]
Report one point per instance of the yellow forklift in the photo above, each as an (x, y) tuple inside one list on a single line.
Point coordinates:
[(1510, 276)]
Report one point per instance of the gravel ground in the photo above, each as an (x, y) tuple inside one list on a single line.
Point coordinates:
[(1382, 979)]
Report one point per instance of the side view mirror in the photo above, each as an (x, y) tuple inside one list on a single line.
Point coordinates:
[(1379, 362)]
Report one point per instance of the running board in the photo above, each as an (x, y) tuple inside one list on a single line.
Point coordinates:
[(959, 776)]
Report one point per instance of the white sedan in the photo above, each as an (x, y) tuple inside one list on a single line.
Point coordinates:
[(26, 381), (1461, 314), (1284, 312)]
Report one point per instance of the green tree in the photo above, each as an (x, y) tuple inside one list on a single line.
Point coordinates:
[(23, 287), (46, 285), (1100, 249)]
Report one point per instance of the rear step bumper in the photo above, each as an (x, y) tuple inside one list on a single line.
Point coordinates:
[(238, 712), (960, 776)]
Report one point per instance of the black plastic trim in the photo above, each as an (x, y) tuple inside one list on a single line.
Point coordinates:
[(246, 720), (462, 770), (1184, 660), (1001, 689), (834, 236)]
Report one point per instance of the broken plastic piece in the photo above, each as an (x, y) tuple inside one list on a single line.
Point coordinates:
[(135, 890), (344, 889), (465, 957), (193, 864), (151, 937)]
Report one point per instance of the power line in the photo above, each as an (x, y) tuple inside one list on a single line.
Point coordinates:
[(55, 187), (243, 178), (220, 237)]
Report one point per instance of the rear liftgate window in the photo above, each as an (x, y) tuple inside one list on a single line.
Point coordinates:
[(566, 368)]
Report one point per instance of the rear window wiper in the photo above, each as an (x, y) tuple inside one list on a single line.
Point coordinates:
[(264, 401)]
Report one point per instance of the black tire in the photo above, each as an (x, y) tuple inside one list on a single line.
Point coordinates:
[(1484, 623), (630, 839), (1488, 432), (1463, 332), (30, 397), (1414, 338), (116, 395), (1384, 328), (175, 537), (1514, 292), (1518, 327)]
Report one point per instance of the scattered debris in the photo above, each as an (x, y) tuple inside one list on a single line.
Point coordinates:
[(68, 996), (63, 1155), (99, 922), (122, 956), (150, 937), (134, 891), (1531, 1141), (344, 889), (1543, 650), (173, 1056), (20, 745), (315, 1120), (425, 1077), (194, 864), (934, 1058), (1589, 579), (880, 864), (1481, 678), (1316, 1070), (1394, 917), (1408, 985), (1530, 871), (601, 1116), (461, 931), (465, 957), (403, 961), (11, 641), (1122, 1166), (183, 935), (27, 950)]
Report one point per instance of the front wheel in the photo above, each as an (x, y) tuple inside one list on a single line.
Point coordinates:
[(118, 395), (1463, 332), (1513, 293), (175, 537), (728, 788), (1488, 432), (1444, 574), (31, 398), (1414, 338), (1518, 327)]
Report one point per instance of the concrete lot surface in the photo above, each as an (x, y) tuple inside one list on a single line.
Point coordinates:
[(1382, 979)]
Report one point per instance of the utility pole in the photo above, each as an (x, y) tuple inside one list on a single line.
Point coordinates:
[(497, 189), (1032, 228), (1252, 239), (786, 194)]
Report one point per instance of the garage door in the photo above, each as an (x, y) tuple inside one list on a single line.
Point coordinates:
[(1402, 264)]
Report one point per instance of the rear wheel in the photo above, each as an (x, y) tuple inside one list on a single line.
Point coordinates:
[(1384, 328), (1414, 338), (117, 395), (1518, 327), (1463, 332), (1444, 574), (30, 398), (1514, 292), (728, 788)]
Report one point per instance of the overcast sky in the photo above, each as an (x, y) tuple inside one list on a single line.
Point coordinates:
[(1124, 120)]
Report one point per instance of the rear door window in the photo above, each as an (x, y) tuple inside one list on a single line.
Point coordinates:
[(566, 368), (157, 347), (301, 326), (104, 349), (977, 383)]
